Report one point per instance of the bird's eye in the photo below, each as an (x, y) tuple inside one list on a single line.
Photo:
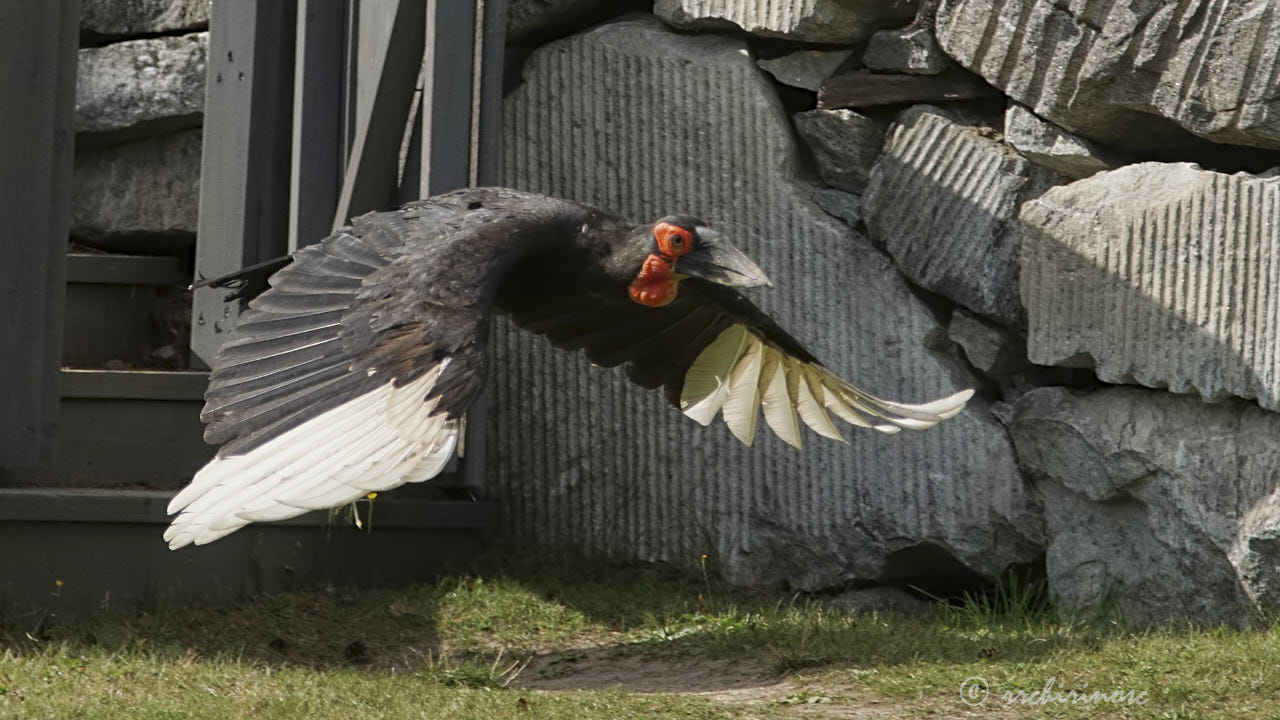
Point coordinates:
[(676, 241)]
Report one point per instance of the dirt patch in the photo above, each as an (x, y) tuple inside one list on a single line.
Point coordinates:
[(720, 680)]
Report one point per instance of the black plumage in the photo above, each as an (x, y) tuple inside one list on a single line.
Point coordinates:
[(352, 370)]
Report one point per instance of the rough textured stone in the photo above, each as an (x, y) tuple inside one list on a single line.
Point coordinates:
[(147, 186), (845, 145), (838, 204), (1164, 275), (988, 347), (580, 458), (157, 81), (1158, 506), (819, 21), (912, 51), (943, 200), (531, 18), (138, 17), (1044, 143), (805, 68), (1104, 69)]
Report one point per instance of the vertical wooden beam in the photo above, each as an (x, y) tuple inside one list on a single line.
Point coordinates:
[(318, 102), (448, 96), (485, 149), (244, 178), (38, 42), (370, 180)]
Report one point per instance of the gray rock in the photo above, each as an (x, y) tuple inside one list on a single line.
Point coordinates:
[(1158, 506), (1110, 71), (912, 51), (943, 200), (138, 17), (1158, 274), (1044, 143), (146, 186), (818, 21), (845, 145), (805, 69), (157, 83), (530, 18), (987, 346), (838, 204), (634, 479)]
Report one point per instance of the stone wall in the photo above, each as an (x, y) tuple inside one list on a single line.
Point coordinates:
[(943, 201), (139, 105)]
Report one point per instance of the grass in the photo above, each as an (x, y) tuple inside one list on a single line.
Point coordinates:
[(509, 642)]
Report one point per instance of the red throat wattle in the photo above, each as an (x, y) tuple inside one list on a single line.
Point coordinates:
[(656, 283)]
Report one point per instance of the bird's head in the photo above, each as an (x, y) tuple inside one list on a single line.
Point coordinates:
[(679, 247)]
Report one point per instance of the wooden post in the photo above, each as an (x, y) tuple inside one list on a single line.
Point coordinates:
[(244, 180), (38, 43), (318, 102)]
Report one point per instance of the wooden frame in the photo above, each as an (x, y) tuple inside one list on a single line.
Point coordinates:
[(38, 43)]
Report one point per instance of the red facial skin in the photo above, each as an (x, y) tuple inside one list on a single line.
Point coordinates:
[(655, 285)]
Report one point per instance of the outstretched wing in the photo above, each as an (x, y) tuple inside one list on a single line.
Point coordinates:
[(715, 353), (351, 374)]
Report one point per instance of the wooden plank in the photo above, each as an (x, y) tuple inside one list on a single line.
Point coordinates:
[(860, 88), (38, 41), (485, 149), (123, 269), (449, 96), (134, 384), (244, 186), (148, 506), (370, 179), (318, 102)]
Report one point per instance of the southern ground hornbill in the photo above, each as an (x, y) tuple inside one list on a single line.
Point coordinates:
[(352, 373)]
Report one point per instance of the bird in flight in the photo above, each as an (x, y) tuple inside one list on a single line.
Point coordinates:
[(352, 372)]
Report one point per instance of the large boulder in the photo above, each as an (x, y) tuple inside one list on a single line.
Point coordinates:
[(943, 200), (816, 21), (1159, 274), (148, 186), (142, 86), (1158, 506), (143, 17), (1130, 73), (579, 458)]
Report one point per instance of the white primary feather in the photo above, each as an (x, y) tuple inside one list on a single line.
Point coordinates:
[(779, 411), (741, 410), (807, 394), (374, 442), (706, 383)]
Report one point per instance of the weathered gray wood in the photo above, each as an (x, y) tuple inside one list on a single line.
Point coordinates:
[(134, 384), (449, 96), (318, 102), (123, 269), (38, 40), (148, 506), (373, 164), (244, 189), (485, 153)]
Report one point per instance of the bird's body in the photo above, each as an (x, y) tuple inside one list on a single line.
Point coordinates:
[(352, 372)]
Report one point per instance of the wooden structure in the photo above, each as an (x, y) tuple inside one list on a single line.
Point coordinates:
[(315, 111), (38, 40)]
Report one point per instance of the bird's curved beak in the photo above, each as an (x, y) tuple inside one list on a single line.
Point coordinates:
[(715, 260)]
